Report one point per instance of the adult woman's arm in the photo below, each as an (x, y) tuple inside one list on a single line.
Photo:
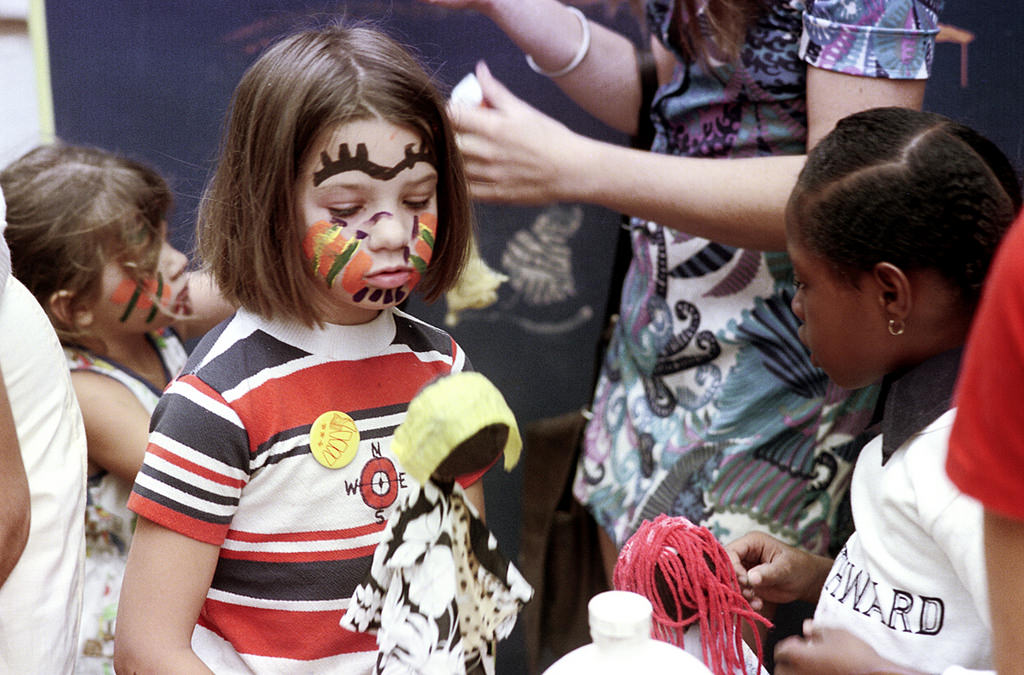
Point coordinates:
[(165, 584), (516, 154), (15, 499), (605, 83)]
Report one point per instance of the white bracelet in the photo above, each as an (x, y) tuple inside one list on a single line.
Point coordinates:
[(581, 53)]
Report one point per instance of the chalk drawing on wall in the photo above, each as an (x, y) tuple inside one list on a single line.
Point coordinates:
[(539, 295)]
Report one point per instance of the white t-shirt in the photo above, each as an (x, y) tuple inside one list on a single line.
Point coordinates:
[(911, 579), (41, 600)]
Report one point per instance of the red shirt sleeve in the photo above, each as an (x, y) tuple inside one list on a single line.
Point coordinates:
[(986, 447)]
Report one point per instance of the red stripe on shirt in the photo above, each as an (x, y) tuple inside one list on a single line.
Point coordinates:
[(192, 467), (200, 530), (302, 636), (389, 375), (311, 535)]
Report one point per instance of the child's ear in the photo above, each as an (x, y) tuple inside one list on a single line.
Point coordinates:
[(63, 308), (895, 293)]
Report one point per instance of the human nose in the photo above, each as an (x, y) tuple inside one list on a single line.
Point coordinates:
[(172, 261), (386, 231), (797, 304)]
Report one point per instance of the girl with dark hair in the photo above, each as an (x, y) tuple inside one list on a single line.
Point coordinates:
[(892, 226), (269, 475)]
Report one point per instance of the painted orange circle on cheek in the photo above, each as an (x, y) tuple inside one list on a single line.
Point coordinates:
[(357, 267)]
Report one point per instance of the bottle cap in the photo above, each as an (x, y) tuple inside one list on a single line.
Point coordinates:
[(620, 614)]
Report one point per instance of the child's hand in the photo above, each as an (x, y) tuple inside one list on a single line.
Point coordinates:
[(830, 651), (771, 572)]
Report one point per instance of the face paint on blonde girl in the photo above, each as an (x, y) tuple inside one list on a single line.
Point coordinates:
[(339, 246), (139, 296)]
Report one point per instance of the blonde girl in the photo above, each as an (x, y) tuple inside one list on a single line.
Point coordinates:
[(87, 233)]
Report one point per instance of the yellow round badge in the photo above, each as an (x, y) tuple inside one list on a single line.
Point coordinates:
[(334, 439)]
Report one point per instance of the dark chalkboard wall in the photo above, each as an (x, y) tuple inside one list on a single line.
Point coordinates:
[(152, 79)]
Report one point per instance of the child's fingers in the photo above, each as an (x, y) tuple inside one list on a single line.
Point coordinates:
[(737, 566)]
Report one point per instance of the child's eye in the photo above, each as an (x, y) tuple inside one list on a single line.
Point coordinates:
[(797, 284), (418, 204), (343, 212)]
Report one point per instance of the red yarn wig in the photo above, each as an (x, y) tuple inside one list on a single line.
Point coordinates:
[(686, 574)]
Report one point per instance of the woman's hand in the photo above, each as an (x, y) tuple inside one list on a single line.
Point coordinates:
[(513, 152), (831, 651), (772, 573)]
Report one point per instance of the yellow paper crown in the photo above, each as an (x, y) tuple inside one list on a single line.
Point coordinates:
[(447, 412)]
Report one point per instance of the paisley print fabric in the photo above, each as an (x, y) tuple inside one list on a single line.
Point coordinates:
[(707, 405)]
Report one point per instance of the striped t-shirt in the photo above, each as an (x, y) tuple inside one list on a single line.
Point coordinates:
[(229, 463)]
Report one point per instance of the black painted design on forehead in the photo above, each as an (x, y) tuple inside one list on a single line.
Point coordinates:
[(361, 162)]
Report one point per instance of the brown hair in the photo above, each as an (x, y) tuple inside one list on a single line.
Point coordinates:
[(300, 87), (717, 28), (71, 210)]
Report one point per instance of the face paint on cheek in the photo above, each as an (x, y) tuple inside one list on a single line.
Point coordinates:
[(332, 253), (140, 296), (425, 230)]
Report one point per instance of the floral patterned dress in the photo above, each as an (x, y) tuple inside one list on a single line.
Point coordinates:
[(707, 405), (108, 522), (440, 593)]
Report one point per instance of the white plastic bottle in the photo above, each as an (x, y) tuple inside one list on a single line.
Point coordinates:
[(620, 627)]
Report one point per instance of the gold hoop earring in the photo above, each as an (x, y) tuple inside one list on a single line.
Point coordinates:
[(896, 329)]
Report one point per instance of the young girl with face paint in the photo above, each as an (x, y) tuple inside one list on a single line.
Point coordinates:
[(269, 475), (88, 238), (891, 228)]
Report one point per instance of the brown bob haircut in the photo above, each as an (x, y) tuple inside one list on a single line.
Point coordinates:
[(248, 233)]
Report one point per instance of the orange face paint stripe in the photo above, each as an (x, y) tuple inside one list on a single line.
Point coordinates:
[(131, 303), (139, 295), (352, 277), (318, 237), (124, 291)]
